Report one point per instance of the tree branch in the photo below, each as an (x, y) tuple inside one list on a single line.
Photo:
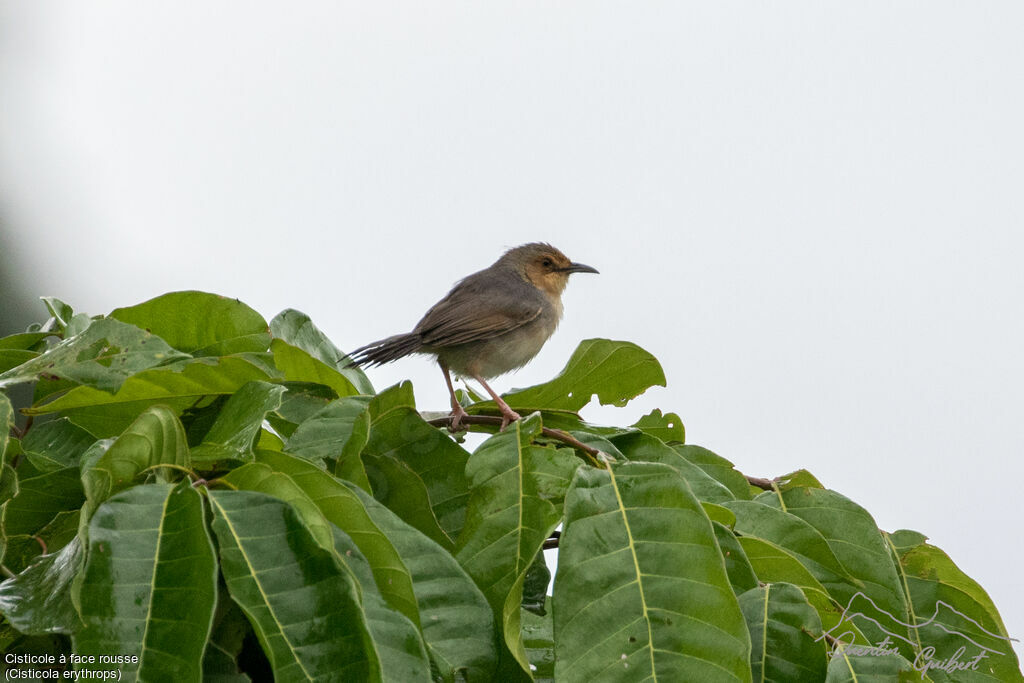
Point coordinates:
[(593, 456), (761, 483)]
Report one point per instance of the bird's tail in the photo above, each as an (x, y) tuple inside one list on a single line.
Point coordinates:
[(386, 350)]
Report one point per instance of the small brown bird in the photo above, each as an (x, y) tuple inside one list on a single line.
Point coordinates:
[(491, 322)]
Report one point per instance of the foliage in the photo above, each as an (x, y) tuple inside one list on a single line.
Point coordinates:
[(201, 495)]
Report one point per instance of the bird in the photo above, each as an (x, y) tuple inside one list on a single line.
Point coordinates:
[(491, 322)]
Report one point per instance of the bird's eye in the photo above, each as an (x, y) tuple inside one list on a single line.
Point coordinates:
[(547, 263)]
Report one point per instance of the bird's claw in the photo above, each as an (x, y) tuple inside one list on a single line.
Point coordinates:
[(508, 416), (458, 412)]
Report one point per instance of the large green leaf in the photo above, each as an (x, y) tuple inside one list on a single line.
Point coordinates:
[(514, 504), (641, 592), (178, 387), (239, 422), (638, 446), (873, 668), (56, 444), (38, 600), (785, 632), (737, 564), (304, 607), (950, 610), (24, 341), (339, 431), (773, 564), (298, 331), (800, 539), (256, 476), (397, 641), (342, 508), (615, 371), (39, 499), (200, 323), (458, 625), (6, 422), (668, 427), (413, 460), (155, 439), (13, 358), (716, 467), (539, 641), (227, 638), (103, 356), (150, 583), (857, 543)]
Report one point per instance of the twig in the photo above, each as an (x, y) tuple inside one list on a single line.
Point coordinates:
[(592, 454), (761, 483), (552, 541)]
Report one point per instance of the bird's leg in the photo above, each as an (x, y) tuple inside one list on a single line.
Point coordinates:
[(507, 414), (458, 412)]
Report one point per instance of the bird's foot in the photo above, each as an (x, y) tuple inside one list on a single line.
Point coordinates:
[(458, 412), (507, 415)]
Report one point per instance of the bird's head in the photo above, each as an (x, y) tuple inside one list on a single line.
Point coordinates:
[(545, 267)]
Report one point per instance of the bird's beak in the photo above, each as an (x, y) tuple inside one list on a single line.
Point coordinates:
[(579, 268)]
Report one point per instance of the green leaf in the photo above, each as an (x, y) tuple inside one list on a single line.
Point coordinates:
[(298, 366), (12, 358), (950, 611), (56, 444), (304, 607), (23, 550), (458, 625), (38, 600), (396, 640), (716, 467), (259, 477), (772, 564), (539, 641), (199, 323), (616, 371), (737, 565), (6, 423), (641, 591), (150, 583), (640, 447), (62, 313), (177, 387), (793, 534), (296, 328), (668, 427), (513, 507), (39, 499), (25, 341), (414, 460), (340, 431), (786, 634), (103, 357), (155, 438), (342, 508), (798, 479), (872, 669), (857, 543), (230, 627), (300, 402), (239, 423)]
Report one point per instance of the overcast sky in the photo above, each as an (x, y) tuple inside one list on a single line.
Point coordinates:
[(810, 212)]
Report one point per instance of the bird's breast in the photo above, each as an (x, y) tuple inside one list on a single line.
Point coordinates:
[(500, 354)]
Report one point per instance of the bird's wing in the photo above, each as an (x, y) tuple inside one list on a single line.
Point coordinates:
[(476, 310)]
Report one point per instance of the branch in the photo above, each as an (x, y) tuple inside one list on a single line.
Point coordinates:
[(552, 541), (762, 483), (592, 454)]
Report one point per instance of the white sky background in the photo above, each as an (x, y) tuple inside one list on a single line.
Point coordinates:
[(810, 212)]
